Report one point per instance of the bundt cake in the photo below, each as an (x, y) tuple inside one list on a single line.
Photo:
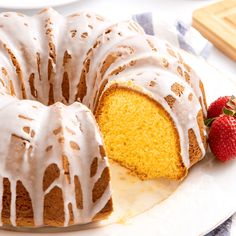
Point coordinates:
[(149, 105)]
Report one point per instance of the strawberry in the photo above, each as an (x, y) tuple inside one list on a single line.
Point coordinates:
[(222, 137), (216, 108)]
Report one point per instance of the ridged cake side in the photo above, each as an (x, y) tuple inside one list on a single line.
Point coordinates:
[(55, 171)]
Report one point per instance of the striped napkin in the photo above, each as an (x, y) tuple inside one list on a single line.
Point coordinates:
[(178, 34), (183, 36)]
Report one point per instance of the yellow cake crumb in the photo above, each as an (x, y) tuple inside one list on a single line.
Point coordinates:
[(139, 134)]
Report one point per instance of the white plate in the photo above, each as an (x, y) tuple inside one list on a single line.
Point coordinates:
[(201, 202), (33, 4)]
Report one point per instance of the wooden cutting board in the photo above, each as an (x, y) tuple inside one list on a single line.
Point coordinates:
[(217, 22)]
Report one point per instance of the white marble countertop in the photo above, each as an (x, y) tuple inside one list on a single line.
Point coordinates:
[(167, 9)]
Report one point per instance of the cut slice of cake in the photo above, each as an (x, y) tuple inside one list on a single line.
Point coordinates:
[(153, 129)]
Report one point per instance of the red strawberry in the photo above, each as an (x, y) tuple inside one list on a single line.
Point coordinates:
[(222, 137), (222, 123), (216, 108)]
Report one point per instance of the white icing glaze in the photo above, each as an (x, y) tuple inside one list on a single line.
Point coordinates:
[(143, 56), (66, 45)]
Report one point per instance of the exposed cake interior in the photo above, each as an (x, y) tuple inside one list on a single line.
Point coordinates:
[(139, 134)]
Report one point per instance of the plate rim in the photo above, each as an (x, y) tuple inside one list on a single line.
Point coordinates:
[(26, 5)]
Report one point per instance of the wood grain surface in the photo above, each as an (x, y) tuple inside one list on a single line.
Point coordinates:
[(217, 22)]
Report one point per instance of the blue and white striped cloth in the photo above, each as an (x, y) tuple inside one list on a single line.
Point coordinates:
[(189, 39), (178, 34)]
